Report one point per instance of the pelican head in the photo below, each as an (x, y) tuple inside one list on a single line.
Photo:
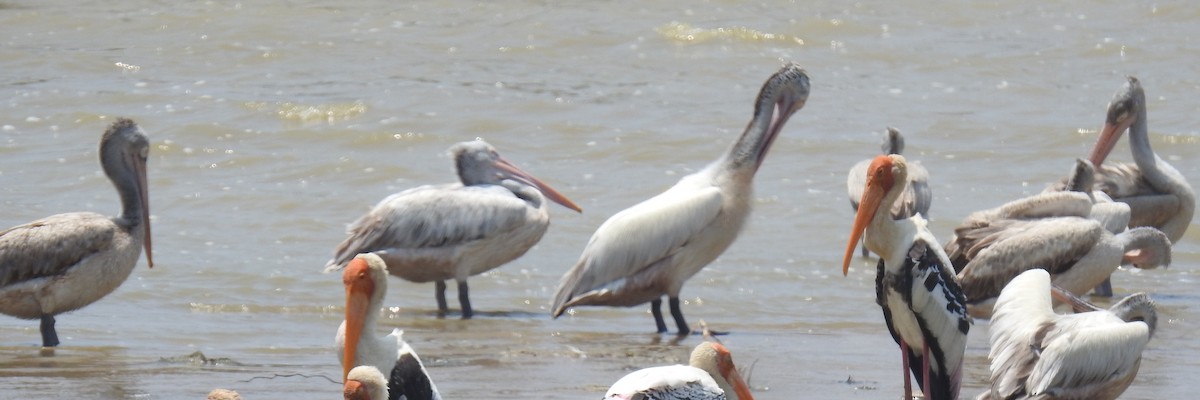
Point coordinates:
[(1137, 307), (1122, 112), (479, 163), (365, 278), (893, 142), (123, 152), (883, 174), (365, 382), (1082, 178), (782, 95), (715, 359)]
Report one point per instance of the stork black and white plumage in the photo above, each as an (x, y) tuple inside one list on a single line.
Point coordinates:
[(1157, 194), (918, 196), (1038, 354), (709, 375), (649, 250), (365, 382), (66, 261), (454, 231), (922, 303), (365, 278)]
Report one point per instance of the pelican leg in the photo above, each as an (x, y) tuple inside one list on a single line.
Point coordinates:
[(49, 335), (464, 300), (678, 315), (441, 298), (656, 309), (907, 377), (1104, 288)]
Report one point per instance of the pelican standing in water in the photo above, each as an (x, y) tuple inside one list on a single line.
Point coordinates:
[(454, 231), (1157, 194), (1037, 354), (709, 375), (365, 278), (649, 250), (922, 303), (64, 262), (917, 194)]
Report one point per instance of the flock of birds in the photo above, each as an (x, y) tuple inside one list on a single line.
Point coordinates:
[(1011, 263)]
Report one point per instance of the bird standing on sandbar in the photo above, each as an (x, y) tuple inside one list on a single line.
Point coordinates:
[(64, 262), (649, 250), (454, 231), (922, 304), (365, 278)]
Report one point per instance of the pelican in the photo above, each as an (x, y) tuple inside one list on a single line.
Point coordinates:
[(922, 303), (365, 278), (651, 249), (365, 382), (1060, 232), (709, 375), (453, 231), (64, 262), (1037, 354), (1157, 194), (917, 194)]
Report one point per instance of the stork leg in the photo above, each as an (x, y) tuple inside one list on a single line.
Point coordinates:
[(656, 309), (678, 315), (464, 300), (441, 298), (925, 388), (49, 335), (907, 377), (1104, 288)]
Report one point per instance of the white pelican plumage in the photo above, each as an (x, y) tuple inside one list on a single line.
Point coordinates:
[(922, 303), (1038, 354), (365, 382), (1157, 194), (918, 196), (649, 250), (66, 261), (1066, 233), (365, 278), (709, 375), (454, 231)]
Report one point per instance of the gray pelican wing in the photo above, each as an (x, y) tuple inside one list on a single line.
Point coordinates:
[(50, 246), (432, 216)]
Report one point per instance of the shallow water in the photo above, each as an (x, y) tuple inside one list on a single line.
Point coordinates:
[(273, 126)]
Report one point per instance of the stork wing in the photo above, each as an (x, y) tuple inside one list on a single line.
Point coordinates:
[(432, 216), (52, 245), (1053, 244), (640, 236), (1084, 356)]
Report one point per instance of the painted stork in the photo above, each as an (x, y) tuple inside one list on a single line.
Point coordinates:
[(709, 375), (922, 303), (64, 262), (454, 231), (917, 195), (649, 250), (365, 278), (1038, 354), (365, 382)]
